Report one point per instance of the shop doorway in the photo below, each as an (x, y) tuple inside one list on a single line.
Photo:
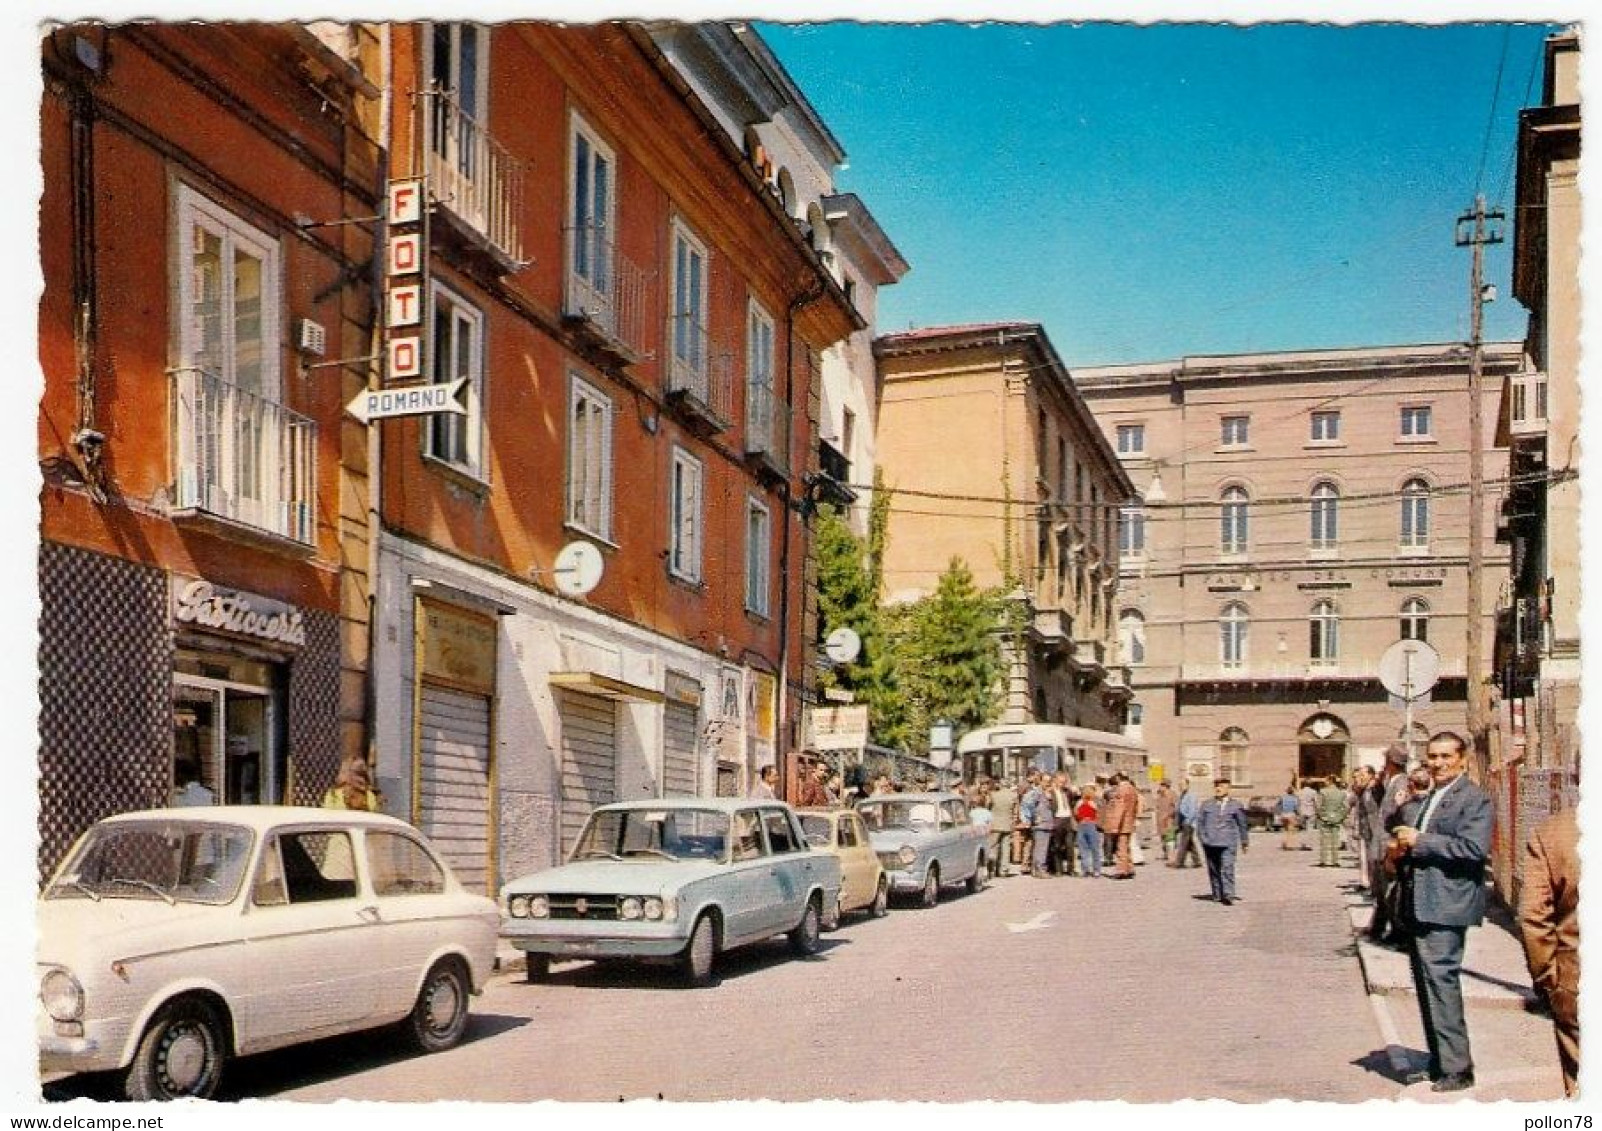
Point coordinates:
[(225, 726)]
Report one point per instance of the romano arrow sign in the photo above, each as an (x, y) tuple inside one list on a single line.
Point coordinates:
[(408, 400)]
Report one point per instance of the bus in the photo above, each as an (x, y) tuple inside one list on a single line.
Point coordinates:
[(1012, 751)]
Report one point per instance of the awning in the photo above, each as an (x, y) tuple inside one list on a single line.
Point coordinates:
[(605, 687)]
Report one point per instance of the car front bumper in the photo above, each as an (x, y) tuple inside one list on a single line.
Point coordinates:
[(95, 1050), (907, 879), (567, 938)]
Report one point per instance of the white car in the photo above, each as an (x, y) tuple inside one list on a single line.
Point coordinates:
[(171, 940)]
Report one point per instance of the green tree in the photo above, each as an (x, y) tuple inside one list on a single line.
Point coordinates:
[(951, 657)]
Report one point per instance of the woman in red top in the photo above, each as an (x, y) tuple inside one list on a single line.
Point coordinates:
[(1089, 835)]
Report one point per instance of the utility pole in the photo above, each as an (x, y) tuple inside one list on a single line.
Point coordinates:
[(1475, 229)]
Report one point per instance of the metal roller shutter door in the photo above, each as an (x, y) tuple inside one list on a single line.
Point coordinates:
[(455, 793), (589, 760), (681, 725)]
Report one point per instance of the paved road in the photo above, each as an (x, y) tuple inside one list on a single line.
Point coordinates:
[(1135, 990), (1141, 990)]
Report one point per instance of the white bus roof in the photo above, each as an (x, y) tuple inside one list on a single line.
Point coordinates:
[(1043, 734)]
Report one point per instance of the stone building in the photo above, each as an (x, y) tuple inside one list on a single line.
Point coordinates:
[(998, 461), (1298, 513)]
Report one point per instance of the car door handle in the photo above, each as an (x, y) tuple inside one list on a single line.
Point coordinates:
[(369, 915)]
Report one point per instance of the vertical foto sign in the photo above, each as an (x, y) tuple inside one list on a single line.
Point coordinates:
[(404, 307)]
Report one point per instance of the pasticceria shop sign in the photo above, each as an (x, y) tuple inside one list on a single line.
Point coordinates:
[(237, 613)]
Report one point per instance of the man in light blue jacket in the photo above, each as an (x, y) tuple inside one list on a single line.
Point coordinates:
[(1035, 811), (1221, 827)]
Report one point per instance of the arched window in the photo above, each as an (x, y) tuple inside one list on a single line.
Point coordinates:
[(1324, 634), (1324, 515), (1132, 636), (1232, 625), (1233, 521), (1234, 749), (1415, 513), (1415, 619)]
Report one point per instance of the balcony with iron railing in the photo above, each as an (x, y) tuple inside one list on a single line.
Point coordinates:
[(1527, 408), (700, 380), (767, 430), (241, 460), (478, 184), (606, 292)]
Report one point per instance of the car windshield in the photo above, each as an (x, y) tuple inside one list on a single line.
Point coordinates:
[(654, 834), (899, 814), (818, 829), (176, 861)]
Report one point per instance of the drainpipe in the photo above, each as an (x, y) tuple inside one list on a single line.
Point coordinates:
[(375, 449), (813, 293)]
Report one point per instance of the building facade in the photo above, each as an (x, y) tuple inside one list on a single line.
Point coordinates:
[(639, 324), (1000, 462), (1297, 514), (190, 443)]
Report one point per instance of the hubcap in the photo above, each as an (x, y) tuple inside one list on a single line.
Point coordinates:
[(443, 1002), (184, 1056)]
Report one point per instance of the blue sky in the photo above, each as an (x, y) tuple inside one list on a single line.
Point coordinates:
[(1151, 192)]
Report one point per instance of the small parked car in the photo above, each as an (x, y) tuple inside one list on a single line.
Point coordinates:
[(674, 879), (863, 885), (172, 940), (926, 840)]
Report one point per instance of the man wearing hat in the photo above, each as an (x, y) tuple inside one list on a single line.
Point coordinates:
[(1385, 796), (1222, 829)]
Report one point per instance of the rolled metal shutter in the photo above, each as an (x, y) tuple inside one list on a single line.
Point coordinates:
[(681, 725), (455, 794), (589, 760)]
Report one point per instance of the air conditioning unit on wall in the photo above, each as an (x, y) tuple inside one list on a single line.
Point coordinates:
[(310, 337)]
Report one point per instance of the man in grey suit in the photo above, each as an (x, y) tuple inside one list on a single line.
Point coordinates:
[(1444, 842), (1221, 827)]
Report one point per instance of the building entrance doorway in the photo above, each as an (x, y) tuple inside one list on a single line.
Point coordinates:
[(1323, 745)]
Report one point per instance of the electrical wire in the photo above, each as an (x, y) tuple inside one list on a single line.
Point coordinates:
[(1490, 119)]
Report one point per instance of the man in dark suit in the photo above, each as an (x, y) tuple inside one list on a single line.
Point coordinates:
[(1444, 843), (1221, 827)]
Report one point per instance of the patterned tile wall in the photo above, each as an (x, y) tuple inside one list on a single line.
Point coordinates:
[(314, 711), (105, 687)]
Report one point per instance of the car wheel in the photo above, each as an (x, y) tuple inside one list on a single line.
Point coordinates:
[(804, 936), (440, 1016), (976, 882), (831, 921), (181, 1054), (538, 968), (701, 952), (931, 886), (881, 900)]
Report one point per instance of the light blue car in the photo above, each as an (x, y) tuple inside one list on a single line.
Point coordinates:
[(674, 879), (926, 840)]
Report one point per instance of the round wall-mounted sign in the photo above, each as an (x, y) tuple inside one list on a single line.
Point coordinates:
[(578, 568), (842, 645), (1409, 668)]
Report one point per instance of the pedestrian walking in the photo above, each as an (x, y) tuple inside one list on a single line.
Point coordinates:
[(1003, 816), (1285, 811), (1222, 828), (1443, 844), (1086, 811), (1035, 811), (1549, 921), (1331, 811), (1164, 811), (1120, 811), (1186, 847), (1306, 811)]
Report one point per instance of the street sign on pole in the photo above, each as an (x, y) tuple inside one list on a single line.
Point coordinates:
[(408, 400)]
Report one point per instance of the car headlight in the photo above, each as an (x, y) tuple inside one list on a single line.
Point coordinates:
[(907, 854), (539, 907), (653, 908), (517, 907), (630, 907), (62, 996)]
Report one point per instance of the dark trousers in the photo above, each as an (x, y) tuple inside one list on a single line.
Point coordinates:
[(1379, 885), (1062, 846), (1437, 958), (1186, 845), (1221, 869)]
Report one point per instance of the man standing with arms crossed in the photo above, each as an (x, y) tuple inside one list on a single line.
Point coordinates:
[(1123, 807), (1443, 853)]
